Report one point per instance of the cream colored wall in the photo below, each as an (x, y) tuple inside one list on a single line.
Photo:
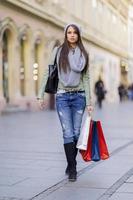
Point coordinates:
[(95, 21), (130, 44), (107, 66)]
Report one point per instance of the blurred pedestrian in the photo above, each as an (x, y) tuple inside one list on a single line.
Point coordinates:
[(121, 92), (100, 92), (130, 92), (73, 94)]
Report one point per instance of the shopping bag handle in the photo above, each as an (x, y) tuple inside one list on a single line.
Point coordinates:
[(90, 114)]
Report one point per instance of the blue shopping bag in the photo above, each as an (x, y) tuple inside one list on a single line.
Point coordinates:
[(95, 143)]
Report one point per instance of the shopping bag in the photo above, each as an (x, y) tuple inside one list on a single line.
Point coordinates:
[(83, 138), (104, 154), (95, 153), (86, 154), (96, 146)]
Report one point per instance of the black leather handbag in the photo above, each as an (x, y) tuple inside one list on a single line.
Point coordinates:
[(52, 81)]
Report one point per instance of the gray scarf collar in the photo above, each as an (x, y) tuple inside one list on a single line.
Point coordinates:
[(77, 61)]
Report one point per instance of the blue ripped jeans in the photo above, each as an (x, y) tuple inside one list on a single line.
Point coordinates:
[(70, 107)]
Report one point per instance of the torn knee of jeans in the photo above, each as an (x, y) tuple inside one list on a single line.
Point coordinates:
[(63, 126), (80, 111), (60, 113)]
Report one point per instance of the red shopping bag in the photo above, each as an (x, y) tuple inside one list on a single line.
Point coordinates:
[(104, 154), (96, 147)]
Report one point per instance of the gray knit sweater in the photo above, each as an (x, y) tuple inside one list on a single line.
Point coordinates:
[(84, 83)]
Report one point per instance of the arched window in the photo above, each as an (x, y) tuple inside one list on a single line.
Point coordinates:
[(5, 65), (22, 65)]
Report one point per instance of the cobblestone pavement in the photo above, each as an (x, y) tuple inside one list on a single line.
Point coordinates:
[(32, 160)]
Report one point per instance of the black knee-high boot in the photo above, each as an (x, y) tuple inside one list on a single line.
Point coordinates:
[(70, 151), (76, 151)]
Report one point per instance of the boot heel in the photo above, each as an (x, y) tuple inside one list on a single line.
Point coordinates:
[(72, 177)]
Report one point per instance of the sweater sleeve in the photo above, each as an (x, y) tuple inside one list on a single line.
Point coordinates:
[(41, 92), (86, 83), (43, 83)]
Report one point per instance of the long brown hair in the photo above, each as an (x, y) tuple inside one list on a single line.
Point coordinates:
[(63, 59)]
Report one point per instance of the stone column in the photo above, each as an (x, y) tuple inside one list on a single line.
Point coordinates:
[(14, 64), (30, 97), (16, 97), (42, 64)]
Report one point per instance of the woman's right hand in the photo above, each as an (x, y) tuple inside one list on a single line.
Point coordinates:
[(42, 103), (90, 109)]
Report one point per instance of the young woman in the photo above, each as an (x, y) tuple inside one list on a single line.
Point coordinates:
[(73, 94)]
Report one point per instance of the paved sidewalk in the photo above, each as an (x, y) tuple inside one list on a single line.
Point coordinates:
[(32, 160)]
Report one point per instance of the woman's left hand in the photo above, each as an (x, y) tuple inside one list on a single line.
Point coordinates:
[(90, 109)]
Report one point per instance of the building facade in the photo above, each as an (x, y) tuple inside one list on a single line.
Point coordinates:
[(30, 29), (130, 40)]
